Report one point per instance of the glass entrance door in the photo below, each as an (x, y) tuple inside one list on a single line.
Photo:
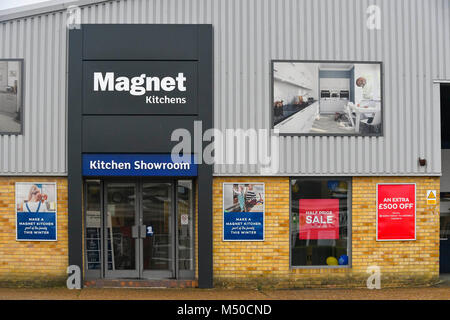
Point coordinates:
[(138, 228), (157, 220), (121, 252)]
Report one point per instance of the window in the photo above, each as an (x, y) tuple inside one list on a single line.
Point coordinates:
[(320, 222), (11, 111), (92, 223)]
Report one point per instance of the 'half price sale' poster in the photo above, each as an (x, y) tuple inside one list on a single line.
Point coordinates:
[(396, 212), (319, 219)]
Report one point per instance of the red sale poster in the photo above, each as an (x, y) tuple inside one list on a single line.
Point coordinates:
[(396, 212), (319, 219)]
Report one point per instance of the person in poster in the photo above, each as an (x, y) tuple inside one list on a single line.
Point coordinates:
[(239, 192), (246, 197), (36, 211), (36, 202), (251, 199), (243, 212)]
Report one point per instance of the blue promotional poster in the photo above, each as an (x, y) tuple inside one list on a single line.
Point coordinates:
[(36, 211), (243, 216)]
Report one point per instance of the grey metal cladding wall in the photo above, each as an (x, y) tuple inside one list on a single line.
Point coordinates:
[(41, 150), (413, 44)]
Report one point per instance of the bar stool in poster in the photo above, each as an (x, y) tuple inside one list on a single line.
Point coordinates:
[(244, 208), (36, 211)]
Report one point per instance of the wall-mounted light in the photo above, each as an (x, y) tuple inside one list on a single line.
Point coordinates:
[(422, 162)]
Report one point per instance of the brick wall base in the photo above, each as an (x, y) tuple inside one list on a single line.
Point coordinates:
[(32, 263), (251, 264), (347, 281), (266, 264)]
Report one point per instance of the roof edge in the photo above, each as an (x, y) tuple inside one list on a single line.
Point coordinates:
[(43, 8)]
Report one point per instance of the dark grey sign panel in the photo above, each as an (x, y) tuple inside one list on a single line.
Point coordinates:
[(140, 42), (132, 134), (117, 122), (140, 87)]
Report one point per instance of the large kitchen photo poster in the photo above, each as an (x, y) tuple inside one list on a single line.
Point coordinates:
[(327, 98), (243, 211), (36, 211), (11, 96)]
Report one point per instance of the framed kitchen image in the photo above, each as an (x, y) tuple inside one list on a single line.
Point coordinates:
[(11, 96), (243, 211), (327, 98)]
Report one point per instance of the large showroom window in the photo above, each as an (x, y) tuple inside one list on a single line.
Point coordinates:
[(320, 227)]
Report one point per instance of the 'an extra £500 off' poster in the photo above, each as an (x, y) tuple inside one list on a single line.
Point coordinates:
[(36, 211), (396, 211)]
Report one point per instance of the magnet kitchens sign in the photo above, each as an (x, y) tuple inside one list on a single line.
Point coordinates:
[(140, 87)]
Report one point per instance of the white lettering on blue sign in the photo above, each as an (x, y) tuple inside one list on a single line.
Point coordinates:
[(112, 165), (137, 165)]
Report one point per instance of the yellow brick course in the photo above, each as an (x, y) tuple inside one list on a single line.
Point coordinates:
[(262, 264), (253, 264), (31, 261)]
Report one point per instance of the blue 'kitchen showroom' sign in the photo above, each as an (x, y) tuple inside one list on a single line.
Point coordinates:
[(137, 165)]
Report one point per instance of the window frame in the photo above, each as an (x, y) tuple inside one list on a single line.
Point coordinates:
[(22, 95), (349, 222), (329, 134)]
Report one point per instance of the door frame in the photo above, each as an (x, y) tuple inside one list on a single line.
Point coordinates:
[(139, 272), (176, 273)]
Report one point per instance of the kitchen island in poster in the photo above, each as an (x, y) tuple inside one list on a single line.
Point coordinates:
[(243, 216), (396, 212), (36, 211)]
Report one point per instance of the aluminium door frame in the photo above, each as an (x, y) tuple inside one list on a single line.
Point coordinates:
[(138, 183)]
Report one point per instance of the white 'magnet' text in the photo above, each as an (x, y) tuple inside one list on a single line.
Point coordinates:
[(139, 85)]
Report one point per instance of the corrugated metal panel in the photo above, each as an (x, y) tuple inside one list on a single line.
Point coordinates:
[(41, 42), (413, 44)]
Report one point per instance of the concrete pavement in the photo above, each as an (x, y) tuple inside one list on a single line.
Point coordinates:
[(438, 292)]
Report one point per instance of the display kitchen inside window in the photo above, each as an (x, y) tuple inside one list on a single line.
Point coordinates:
[(11, 97), (320, 222)]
